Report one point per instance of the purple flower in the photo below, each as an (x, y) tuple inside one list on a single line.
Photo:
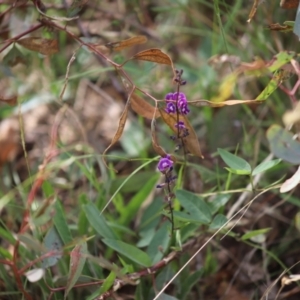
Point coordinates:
[(165, 164), (169, 96), (184, 109), (170, 108), (180, 125), (180, 99)]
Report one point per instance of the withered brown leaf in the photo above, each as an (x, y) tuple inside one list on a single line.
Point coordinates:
[(157, 148), (154, 55), (118, 46), (41, 45), (143, 108)]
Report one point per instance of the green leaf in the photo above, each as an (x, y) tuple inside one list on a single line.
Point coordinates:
[(218, 221), (197, 208), (97, 221), (264, 166), (234, 162), (77, 261), (61, 224), (189, 282), (283, 145), (159, 243), (184, 217), (129, 251), (48, 189), (218, 202), (164, 296), (254, 233), (238, 172), (108, 282), (271, 86), (281, 59), (53, 243), (135, 203)]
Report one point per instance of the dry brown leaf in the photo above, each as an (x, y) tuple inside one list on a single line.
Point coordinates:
[(154, 55), (288, 4), (157, 148), (191, 140), (118, 46), (143, 108), (253, 10), (221, 104), (13, 100), (258, 64), (41, 45), (118, 134), (278, 27)]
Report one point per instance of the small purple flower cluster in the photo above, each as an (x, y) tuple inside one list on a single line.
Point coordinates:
[(176, 100), (165, 164)]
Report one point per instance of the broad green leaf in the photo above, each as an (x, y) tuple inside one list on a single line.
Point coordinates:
[(189, 282), (77, 261), (264, 166), (129, 251), (159, 243), (195, 206), (218, 202), (97, 221), (238, 172), (184, 217), (137, 200), (283, 145), (61, 224), (218, 221), (254, 233), (54, 244), (233, 161)]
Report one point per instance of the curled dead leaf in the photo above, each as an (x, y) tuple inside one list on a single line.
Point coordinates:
[(278, 27), (118, 134), (154, 55), (41, 45), (157, 148), (143, 108), (118, 46)]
